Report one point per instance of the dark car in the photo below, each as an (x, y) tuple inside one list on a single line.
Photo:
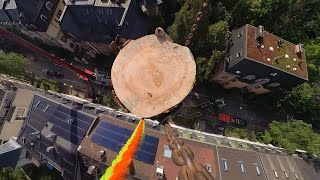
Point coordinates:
[(58, 74), (50, 72)]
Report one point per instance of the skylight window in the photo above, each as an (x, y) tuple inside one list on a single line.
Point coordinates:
[(225, 164), (46, 108), (257, 169), (241, 166), (38, 103)]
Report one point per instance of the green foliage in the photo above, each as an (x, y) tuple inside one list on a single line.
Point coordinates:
[(168, 10), (12, 64), (8, 174), (46, 84), (313, 56), (264, 137), (156, 21), (236, 132), (302, 101), (205, 67), (107, 101), (217, 35), (294, 135), (183, 121)]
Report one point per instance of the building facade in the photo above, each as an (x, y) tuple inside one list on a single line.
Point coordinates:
[(261, 62)]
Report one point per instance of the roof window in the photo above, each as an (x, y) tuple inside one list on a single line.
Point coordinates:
[(257, 169), (241, 167), (225, 164), (46, 108), (38, 103)]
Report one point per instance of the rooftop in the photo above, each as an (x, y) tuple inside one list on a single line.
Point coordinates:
[(101, 22), (54, 130), (9, 153), (109, 131), (276, 52)]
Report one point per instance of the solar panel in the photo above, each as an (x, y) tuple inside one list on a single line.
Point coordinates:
[(85, 118), (151, 140), (64, 109), (145, 157), (148, 148), (107, 143), (114, 137), (66, 135), (77, 122), (68, 127)]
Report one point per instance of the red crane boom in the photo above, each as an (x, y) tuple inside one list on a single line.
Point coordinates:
[(36, 49)]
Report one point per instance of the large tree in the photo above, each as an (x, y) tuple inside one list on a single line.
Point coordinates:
[(295, 135), (12, 64)]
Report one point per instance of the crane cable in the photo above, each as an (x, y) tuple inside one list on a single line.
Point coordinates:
[(197, 20)]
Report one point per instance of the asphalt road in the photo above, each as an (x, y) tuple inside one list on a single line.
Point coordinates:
[(40, 67)]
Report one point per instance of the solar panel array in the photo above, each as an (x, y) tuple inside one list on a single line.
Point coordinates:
[(114, 137), (68, 123)]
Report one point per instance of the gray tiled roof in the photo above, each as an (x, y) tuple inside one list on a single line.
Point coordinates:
[(10, 153)]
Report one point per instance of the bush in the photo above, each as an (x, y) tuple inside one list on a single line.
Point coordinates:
[(236, 132)]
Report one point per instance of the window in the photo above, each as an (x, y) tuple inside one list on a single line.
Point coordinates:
[(37, 103), (250, 77), (257, 169), (209, 167), (241, 167), (240, 34), (276, 174), (167, 152), (262, 81), (286, 174), (20, 112), (59, 14), (238, 54), (7, 103), (273, 74), (49, 6), (43, 18), (225, 164), (46, 108), (273, 85)]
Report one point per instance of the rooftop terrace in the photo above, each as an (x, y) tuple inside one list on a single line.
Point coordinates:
[(276, 52)]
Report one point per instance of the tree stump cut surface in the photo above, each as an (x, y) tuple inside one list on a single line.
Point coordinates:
[(151, 75)]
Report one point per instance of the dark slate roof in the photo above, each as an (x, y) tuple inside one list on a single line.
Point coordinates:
[(30, 8), (48, 117), (136, 24), (101, 24), (10, 153), (91, 23)]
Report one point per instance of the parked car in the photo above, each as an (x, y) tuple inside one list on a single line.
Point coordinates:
[(50, 72), (58, 74)]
